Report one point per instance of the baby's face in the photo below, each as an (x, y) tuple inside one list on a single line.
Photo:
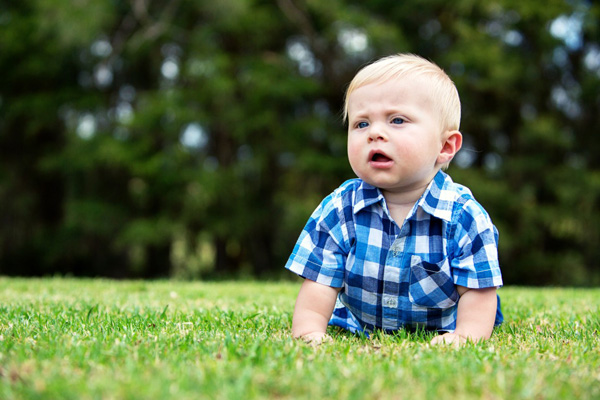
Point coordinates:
[(394, 134)]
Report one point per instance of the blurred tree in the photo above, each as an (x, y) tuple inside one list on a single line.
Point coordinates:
[(189, 138)]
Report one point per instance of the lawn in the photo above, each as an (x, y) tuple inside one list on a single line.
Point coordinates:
[(99, 339)]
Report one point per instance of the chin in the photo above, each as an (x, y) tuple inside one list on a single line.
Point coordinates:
[(380, 185)]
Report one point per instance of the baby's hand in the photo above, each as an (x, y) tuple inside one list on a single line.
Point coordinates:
[(449, 338), (316, 338)]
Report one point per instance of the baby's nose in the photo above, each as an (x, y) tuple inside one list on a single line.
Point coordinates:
[(376, 135)]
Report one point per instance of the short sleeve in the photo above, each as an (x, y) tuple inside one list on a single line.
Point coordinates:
[(474, 262), (320, 252)]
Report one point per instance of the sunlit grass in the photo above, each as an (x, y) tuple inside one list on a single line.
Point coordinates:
[(89, 339)]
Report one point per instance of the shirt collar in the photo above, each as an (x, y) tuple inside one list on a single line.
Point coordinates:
[(366, 195), (436, 200)]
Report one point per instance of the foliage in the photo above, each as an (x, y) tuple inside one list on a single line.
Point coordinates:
[(65, 338), (190, 138)]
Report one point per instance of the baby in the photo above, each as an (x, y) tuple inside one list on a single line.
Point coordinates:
[(402, 246)]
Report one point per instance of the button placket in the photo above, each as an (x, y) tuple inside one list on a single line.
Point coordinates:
[(389, 299)]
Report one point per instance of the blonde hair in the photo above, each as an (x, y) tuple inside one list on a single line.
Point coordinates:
[(443, 91)]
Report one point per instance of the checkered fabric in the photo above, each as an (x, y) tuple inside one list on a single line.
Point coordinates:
[(398, 276)]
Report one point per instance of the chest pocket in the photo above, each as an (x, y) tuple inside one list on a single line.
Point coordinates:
[(430, 284)]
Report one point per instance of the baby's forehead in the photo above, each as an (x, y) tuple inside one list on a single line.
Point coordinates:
[(425, 88), (423, 79)]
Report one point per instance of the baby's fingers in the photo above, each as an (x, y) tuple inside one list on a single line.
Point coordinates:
[(449, 338), (316, 338)]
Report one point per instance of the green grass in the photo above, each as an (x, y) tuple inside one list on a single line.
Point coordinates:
[(101, 339)]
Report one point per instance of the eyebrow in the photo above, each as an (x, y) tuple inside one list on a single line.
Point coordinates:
[(403, 111)]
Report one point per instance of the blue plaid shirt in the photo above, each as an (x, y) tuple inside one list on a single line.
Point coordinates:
[(398, 276)]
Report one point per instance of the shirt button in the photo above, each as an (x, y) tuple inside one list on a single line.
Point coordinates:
[(398, 246), (390, 301)]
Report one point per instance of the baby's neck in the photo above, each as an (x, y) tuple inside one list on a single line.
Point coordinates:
[(401, 203)]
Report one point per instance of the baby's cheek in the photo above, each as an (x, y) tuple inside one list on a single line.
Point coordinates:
[(353, 154)]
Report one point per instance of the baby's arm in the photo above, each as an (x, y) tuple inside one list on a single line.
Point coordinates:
[(475, 316), (314, 307)]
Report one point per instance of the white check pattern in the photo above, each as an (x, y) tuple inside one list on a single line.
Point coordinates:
[(394, 276)]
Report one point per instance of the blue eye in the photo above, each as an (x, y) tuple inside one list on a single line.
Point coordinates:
[(397, 121), (362, 125)]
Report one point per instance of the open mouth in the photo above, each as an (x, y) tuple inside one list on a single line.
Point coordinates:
[(379, 157)]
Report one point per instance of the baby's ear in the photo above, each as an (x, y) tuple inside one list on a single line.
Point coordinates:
[(451, 144)]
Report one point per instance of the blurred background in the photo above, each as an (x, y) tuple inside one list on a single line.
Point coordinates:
[(192, 139)]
